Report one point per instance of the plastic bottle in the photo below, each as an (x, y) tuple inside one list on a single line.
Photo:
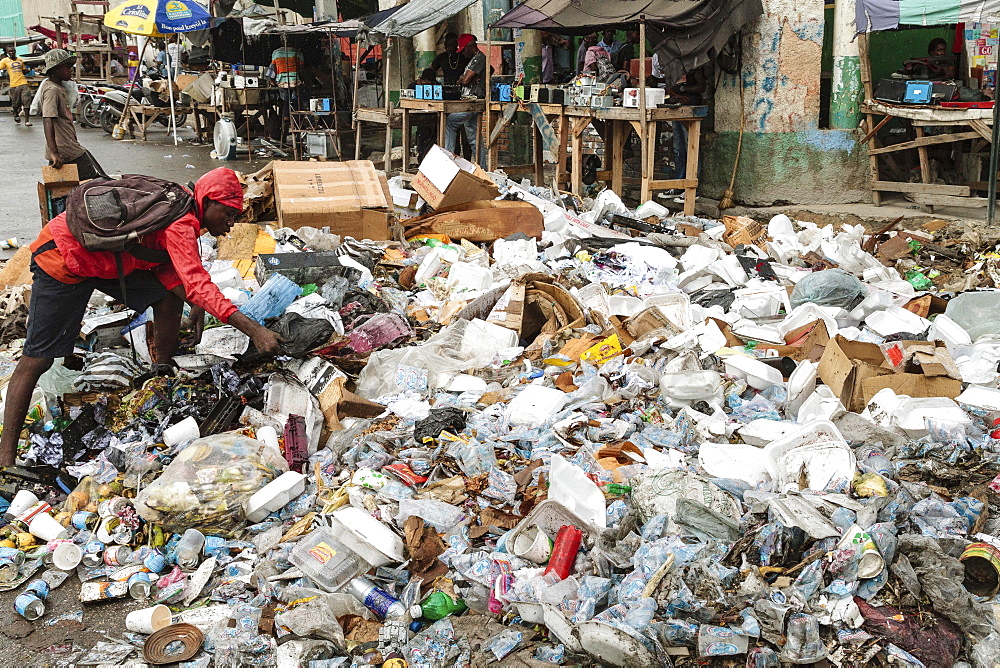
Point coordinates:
[(189, 548), (564, 551), (876, 460), (376, 599), (276, 295), (803, 644), (438, 606)]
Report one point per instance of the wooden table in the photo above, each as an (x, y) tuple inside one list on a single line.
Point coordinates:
[(976, 123), (442, 108), (390, 118), (143, 115), (500, 115), (617, 124)]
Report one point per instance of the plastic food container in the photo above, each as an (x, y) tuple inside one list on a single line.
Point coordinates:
[(372, 540), (327, 561)]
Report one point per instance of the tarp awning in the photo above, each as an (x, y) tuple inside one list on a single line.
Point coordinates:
[(685, 34), (890, 14), (417, 16)]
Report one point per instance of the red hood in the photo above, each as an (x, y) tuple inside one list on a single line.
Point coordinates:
[(219, 185)]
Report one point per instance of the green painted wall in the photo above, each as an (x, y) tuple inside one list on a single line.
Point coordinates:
[(815, 166)]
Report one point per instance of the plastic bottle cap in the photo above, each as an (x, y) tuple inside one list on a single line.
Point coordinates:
[(416, 611)]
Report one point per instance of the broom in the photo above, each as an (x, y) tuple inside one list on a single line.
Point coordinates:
[(727, 196)]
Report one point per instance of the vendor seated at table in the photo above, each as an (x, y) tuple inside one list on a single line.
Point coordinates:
[(425, 123), (597, 62), (938, 65), (451, 62)]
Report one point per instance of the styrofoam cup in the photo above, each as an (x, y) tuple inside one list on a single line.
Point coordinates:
[(21, 502), (67, 556), (533, 545), (46, 527), (182, 432), (148, 620)]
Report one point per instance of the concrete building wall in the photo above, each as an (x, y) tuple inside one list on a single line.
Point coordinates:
[(34, 10), (786, 158)]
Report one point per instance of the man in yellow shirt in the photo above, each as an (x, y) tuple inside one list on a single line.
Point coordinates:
[(20, 90)]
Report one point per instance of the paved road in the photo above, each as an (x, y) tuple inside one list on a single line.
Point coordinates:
[(21, 159)]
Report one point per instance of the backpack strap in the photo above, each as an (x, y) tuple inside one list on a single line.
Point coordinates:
[(147, 254), (121, 286)]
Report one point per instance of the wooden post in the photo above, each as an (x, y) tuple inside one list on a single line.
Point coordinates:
[(387, 161), (357, 76), (643, 124), (489, 96), (866, 83)]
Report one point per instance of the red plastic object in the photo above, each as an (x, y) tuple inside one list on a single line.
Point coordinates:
[(296, 445), (564, 551), (967, 105)]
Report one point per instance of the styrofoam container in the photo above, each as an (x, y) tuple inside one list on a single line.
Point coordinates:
[(467, 276), (734, 460), (686, 387), (748, 330), (483, 337), (651, 208), (954, 336), (535, 404), (676, 306), (822, 404), (624, 305), (613, 646), (760, 432), (896, 320), (978, 396), (368, 537), (550, 516), (275, 495), (818, 449), (758, 375), (593, 295), (570, 486), (801, 384), (912, 412)]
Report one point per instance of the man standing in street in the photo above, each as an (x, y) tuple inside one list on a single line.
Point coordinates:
[(61, 144), (20, 91), (473, 82), (65, 274)]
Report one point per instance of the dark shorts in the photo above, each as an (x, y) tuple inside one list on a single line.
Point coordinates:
[(55, 314), (20, 98), (87, 166)]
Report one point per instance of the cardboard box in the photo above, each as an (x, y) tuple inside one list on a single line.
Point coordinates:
[(67, 175), (351, 198), (856, 371), (444, 180), (480, 221)]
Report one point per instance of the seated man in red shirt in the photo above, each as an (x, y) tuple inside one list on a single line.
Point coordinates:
[(65, 275)]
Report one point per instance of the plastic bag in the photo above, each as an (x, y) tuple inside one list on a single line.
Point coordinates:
[(976, 312), (830, 287), (208, 482), (300, 335)]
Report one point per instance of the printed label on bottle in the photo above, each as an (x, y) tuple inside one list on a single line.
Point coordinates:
[(379, 602), (322, 553)]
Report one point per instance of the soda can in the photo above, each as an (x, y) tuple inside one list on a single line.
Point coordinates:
[(112, 506), (139, 586), (39, 588), (12, 553), (116, 555), (84, 520), (8, 570), (29, 606), (100, 591), (155, 562)]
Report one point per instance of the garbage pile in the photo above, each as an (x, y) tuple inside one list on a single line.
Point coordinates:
[(628, 440)]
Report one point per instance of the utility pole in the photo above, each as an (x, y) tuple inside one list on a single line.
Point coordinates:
[(845, 98)]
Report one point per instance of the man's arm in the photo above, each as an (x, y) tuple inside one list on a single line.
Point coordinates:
[(50, 141)]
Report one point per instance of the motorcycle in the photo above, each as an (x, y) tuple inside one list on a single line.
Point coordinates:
[(112, 104), (88, 105)]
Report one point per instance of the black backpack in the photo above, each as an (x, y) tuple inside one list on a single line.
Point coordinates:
[(114, 214)]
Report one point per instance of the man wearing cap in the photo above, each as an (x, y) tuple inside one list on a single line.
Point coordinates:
[(65, 274), (61, 144), (473, 82), (20, 90)]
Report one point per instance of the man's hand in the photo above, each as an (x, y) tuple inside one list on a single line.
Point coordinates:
[(57, 161), (266, 341)]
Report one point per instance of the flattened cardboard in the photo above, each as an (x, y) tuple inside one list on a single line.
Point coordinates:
[(351, 198), (445, 180), (912, 384), (480, 221), (846, 364)]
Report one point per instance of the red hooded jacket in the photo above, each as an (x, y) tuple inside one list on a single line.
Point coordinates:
[(70, 262)]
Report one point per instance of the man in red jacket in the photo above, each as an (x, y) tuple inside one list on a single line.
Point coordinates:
[(65, 275)]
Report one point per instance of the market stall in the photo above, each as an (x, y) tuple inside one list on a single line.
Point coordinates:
[(936, 120), (682, 39)]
